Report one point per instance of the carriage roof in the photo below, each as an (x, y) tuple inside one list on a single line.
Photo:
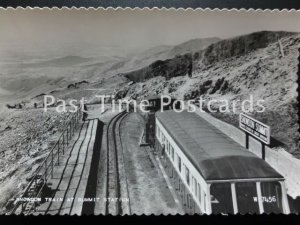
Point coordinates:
[(215, 155)]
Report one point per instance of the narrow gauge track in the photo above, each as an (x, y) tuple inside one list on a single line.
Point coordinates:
[(116, 182)]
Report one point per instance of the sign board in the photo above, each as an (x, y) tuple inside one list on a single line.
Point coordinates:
[(255, 128)]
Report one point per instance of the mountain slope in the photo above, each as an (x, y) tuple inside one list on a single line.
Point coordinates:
[(233, 70), (218, 51)]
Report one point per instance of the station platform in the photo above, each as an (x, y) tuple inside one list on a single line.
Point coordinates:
[(67, 187)]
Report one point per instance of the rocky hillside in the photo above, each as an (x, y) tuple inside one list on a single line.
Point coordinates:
[(26, 137), (235, 47), (262, 64), (210, 51)]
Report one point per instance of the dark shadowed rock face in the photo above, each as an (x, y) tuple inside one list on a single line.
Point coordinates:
[(179, 66), (121, 93)]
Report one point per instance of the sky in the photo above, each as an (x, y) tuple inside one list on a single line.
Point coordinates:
[(126, 31)]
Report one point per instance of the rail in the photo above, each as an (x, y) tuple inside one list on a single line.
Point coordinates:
[(38, 182), (113, 189)]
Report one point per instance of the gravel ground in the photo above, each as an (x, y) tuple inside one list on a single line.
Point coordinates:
[(148, 191)]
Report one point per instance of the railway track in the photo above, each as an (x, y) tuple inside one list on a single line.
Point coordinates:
[(117, 197)]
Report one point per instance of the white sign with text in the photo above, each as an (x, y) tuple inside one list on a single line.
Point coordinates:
[(255, 128)]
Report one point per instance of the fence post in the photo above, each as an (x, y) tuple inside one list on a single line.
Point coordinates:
[(46, 170), (22, 206), (58, 147), (70, 124), (67, 135), (74, 125), (35, 182), (77, 112), (63, 150), (52, 163)]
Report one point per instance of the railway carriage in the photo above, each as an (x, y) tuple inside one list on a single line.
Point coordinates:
[(213, 174)]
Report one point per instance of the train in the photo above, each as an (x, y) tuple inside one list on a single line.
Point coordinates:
[(212, 174)]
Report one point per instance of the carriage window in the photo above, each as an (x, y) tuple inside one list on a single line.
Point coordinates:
[(179, 163), (204, 201), (246, 196), (195, 186), (172, 152), (271, 197), (199, 192), (187, 175), (167, 146), (193, 181), (221, 198)]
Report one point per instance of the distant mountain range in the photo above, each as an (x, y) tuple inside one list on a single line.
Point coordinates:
[(57, 62), (30, 78)]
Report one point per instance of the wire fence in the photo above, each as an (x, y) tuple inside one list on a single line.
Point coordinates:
[(26, 202)]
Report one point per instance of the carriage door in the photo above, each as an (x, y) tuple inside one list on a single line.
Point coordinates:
[(271, 195), (221, 198), (247, 200)]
